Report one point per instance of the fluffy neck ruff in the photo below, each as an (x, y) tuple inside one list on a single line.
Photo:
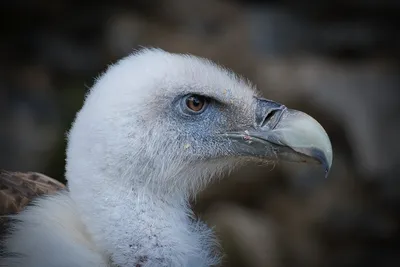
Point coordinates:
[(130, 211), (138, 228)]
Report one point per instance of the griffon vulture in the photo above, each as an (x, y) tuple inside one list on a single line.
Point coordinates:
[(154, 130)]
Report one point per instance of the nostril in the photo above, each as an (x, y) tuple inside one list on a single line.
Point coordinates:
[(269, 117), (268, 113)]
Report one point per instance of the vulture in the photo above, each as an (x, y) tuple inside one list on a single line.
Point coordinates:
[(154, 130)]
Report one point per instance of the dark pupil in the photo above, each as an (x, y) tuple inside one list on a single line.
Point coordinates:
[(196, 101)]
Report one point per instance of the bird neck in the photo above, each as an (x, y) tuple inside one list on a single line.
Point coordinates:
[(139, 228)]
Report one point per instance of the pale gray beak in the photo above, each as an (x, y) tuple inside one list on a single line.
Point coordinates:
[(284, 134)]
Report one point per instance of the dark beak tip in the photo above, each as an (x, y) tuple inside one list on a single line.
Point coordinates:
[(322, 159)]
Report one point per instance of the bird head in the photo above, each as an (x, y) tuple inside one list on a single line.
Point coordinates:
[(171, 121)]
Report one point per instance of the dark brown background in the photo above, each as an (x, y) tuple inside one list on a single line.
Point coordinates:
[(337, 60)]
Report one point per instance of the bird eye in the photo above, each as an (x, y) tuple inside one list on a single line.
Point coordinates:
[(196, 103)]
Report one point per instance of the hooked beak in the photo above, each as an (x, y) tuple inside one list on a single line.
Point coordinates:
[(284, 134)]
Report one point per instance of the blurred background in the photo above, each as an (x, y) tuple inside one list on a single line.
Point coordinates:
[(336, 60)]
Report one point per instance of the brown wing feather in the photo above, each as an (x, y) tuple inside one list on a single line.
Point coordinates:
[(17, 189)]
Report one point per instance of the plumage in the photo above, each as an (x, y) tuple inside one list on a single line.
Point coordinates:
[(17, 189), (154, 130)]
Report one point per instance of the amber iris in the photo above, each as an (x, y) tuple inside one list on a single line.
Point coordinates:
[(195, 103)]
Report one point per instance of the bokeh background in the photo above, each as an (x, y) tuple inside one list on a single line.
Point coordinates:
[(336, 60)]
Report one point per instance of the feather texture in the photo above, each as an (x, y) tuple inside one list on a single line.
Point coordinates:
[(17, 189)]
